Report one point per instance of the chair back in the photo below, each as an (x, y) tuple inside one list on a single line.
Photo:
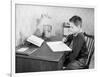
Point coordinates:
[(90, 47)]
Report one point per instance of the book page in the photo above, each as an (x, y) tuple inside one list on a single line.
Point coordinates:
[(22, 49), (35, 40), (58, 46)]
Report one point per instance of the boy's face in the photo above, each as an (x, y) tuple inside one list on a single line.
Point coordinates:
[(73, 28)]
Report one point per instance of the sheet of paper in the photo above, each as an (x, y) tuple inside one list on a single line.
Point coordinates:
[(35, 40), (58, 46), (22, 49), (30, 52)]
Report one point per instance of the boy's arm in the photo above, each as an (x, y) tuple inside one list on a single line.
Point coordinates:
[(77, 45)]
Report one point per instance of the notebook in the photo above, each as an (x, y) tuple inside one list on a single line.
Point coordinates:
[(25, 50), (58, 46)]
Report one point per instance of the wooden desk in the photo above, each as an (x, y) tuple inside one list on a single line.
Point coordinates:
[(41, 60)]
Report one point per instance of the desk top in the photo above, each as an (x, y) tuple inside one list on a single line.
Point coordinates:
[(45, 53)]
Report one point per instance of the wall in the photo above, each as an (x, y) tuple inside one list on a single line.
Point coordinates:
[(27, 15)]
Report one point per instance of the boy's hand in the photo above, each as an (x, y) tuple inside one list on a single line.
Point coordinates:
[(64, 39)]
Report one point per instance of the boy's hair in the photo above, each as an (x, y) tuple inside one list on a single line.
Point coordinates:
[(76, 20)]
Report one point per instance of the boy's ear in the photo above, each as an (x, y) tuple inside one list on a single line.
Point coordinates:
[(79, 24)]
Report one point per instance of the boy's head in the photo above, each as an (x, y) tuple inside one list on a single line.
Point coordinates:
[(76, 21), (75, 25)]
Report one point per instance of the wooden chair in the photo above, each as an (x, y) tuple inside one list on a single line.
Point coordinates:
[(90, 49), (90, 46)]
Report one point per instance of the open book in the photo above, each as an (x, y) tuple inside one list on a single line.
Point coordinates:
[(35, 40), (25, 50), (58, 46)]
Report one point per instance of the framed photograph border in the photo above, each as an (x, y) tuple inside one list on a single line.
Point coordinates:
[(13, 30)]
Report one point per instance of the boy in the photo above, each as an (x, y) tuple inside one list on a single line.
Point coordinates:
[(77, 42)]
